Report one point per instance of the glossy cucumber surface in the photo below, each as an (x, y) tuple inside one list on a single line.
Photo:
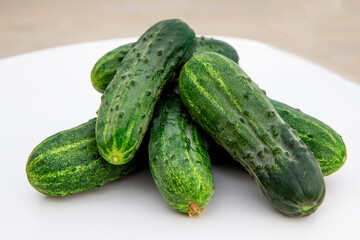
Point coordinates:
[(179, 159), (105, 68), (206, 44), (232, 109), (69, 162), (325, 143), (128, 102)]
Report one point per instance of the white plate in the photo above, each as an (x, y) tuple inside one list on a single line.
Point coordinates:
[(49, 91)]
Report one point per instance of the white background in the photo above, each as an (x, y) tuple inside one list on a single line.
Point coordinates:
[(49, 91)]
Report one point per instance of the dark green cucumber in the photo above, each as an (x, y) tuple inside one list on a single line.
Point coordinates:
[(105, 68), (325, 143), (128, 102), (205, 44), (69, 162), (232, 109), (179, 159)]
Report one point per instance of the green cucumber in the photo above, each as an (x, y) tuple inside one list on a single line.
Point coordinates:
[(325, 143), (69, 162), (179, 159), (205, 44), (237, 114), (128, 102), (105, 68)]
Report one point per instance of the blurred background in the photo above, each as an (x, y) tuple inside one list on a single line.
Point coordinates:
[(324, 31)]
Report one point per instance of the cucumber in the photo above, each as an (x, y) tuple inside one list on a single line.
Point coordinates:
[(69, 162), (236, 113), (128, 102), (105, 68), (179, 159), (325, 143), (205, 44)]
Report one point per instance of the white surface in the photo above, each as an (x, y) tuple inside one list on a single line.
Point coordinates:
[(49, 91)]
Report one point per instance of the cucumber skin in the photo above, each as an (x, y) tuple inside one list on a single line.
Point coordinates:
[(236, 113), (128, 102), (325, 143), (68, 162), (205, 44), (105, 68), (178, 157)]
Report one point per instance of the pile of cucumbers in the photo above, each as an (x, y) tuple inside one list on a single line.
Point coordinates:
[(169, 97)]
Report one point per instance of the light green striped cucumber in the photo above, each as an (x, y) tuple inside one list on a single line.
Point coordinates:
[(105, 68), (325, 143), (179, 159), (69, 162), (128, 102), (237, 114)]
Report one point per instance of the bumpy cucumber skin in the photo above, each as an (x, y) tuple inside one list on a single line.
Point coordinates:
[(232, 109), (325, 143), (69, 162), (179, 159), (214, 45), (128, 102), (105, 68)]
